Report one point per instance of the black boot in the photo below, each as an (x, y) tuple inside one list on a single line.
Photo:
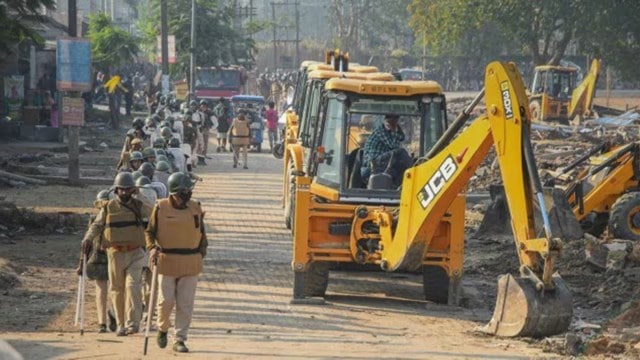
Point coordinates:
[(179, 346), (161, 339)]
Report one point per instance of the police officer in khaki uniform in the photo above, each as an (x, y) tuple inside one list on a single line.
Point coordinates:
[(122, 221), (178, 243)]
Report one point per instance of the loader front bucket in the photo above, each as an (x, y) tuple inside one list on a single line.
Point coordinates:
[(521, 310)]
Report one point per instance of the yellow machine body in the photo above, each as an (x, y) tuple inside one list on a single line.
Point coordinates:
[(556, 97), (422, 225), (606, 193)]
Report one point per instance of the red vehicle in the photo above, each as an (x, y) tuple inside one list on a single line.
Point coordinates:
[(217, 82)]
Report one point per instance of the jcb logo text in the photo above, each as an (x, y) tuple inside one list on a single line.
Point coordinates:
[(437, 181), (506, 100)]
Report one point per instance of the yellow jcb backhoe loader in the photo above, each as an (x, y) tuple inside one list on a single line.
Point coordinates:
[(555, 96), (341, 218), (334, 61), (302, 122), (607, 192)]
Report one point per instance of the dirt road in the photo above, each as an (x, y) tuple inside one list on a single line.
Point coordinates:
[(242, 308)]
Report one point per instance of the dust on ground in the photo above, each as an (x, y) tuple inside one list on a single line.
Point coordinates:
[(37, 261)]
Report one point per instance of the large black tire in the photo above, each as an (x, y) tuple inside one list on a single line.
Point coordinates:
[(595, 224), (311, 283), (536, 110), (290, 201), (278, 150), (624, 222), (435, 284)]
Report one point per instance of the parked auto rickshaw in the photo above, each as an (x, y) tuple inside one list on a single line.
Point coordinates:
[(252, 105)]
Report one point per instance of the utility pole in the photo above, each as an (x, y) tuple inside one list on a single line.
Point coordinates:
[(297, 3), (73, 131), (252, 9), (288, 29), (273, 19), (424, 54), (192, 50), (164, 28)]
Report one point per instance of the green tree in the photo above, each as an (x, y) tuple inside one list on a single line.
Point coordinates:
[(17, 18), (541, 28), (111, 46), (615, 36), (217, 43), (367, 24)]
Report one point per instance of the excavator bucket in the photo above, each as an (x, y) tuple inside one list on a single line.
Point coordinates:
[(563, 222), (521, 310)]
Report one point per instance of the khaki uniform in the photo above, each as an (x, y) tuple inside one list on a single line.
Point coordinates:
[(240, 140), (101, 281), (122, 226), (198, 119), (180, 236)]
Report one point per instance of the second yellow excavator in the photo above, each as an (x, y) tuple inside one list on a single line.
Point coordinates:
[(605, 193), (555, 96), (421, 223)]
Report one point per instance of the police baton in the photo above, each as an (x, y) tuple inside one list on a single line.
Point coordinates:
[(152, 300), (79, 319)]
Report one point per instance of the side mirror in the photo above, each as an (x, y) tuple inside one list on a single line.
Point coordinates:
[(290, 94)]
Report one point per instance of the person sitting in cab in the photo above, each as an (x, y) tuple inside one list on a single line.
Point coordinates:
[(383, 152)]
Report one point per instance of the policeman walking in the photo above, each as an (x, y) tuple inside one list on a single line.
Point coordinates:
[(178, 243), (122, 221)]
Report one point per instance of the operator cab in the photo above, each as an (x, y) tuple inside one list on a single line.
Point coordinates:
[(350, 112), (556, 82)]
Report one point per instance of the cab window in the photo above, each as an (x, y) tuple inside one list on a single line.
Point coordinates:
[(422, 120), (329, 170), (308, 121)]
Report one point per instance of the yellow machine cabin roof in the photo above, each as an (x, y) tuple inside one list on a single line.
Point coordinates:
[(305, 64), (319, 66), (352, 68), (393, 88), (555, 68), (363, 68), (326, 74)]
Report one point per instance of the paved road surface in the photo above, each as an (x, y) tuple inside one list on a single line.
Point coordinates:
[(242, 308)]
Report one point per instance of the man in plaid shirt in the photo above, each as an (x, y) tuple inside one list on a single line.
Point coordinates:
[(380, 148)]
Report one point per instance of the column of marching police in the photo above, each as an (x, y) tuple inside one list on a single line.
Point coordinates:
[(148, 240)]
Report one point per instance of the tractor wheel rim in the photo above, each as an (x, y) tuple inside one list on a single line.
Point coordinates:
[(634, 220)]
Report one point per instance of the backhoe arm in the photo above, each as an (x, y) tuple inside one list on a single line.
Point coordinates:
[(537, 303), (583, 94), (429, 188)]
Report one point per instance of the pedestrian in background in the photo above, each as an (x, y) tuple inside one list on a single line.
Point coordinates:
[(223, 113), (239, 134), (207, 124), (272, 124)]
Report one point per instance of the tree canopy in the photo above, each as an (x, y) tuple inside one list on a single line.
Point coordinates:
[(543, 29), (379, 26), (17, 18), (110, 46), (217, 42)]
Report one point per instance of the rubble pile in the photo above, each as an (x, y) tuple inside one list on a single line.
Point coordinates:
[(602, 273), (8, 275), (556, 146), (16, 222), (606, 297)]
